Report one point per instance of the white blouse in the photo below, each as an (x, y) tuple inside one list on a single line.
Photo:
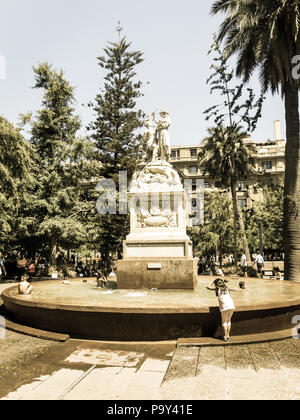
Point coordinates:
[(225, 301)]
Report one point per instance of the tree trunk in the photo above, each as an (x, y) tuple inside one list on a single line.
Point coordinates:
[(291, 228), (239, 221), (235, 222), (242, 229), (52, 253)]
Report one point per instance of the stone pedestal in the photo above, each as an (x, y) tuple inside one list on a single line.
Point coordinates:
[(156, 273), (157, 253)]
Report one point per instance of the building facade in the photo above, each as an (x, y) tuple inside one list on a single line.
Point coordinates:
[(269, 167)]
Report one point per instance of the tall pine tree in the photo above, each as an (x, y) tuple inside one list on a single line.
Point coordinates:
[(115, 132)]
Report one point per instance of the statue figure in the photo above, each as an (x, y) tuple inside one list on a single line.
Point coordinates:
[(150, 139), (162, 135), (157, 137)]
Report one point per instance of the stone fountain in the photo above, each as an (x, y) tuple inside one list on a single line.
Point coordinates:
[(157, 252), (157, 255)]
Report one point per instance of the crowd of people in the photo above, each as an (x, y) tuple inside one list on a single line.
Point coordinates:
[(12, 266), (208, 266)]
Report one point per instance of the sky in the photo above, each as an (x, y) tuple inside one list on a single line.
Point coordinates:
[(174, 36)]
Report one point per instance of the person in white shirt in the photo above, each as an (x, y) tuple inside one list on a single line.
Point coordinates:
[(226, 304), (218, 270), (259, 261), (25, 287), (244, 264)]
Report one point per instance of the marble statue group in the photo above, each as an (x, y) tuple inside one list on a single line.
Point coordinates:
[(157, 137)]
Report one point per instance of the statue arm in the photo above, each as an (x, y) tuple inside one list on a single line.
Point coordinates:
[(154, 117)]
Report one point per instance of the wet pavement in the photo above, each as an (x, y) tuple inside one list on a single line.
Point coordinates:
[(34, 369), (87, 370)]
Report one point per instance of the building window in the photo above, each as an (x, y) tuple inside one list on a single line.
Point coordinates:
[(243, 203), (175, 154), (242, 185), (193, 170), (206, 185), (218, 184), (194, 185), (267, 165), (193, 152)]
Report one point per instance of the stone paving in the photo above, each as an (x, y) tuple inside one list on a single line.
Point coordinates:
[(88, 370), (35, 369), (256, 371)]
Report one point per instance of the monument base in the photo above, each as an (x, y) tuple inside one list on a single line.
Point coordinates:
[(171, 273)]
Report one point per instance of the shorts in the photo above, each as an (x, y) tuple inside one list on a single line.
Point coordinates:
[(245, 268)]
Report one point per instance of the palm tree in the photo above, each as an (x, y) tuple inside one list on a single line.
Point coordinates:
[(225, 155), (266, 36)]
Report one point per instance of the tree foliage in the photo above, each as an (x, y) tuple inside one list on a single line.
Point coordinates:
[(265, 35), (115, 132), (47, 220), (225, 153), (16, 156), (215, 235), (270, 213), (239, 106)]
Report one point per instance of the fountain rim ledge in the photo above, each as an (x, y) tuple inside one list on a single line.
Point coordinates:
[(7, 296)]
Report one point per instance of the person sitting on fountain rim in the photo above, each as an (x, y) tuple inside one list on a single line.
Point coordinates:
[(277, 273), (102, 278), (226, 304), (25, 287)]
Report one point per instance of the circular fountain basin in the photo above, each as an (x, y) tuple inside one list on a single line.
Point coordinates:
[(83, 311)]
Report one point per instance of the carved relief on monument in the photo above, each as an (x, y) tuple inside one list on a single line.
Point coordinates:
[(156, 218), (156, 176)]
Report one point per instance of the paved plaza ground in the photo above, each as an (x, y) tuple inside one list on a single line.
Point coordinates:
[(33, 369)]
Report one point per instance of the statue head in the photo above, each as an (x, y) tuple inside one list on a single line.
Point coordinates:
[(164, 113)]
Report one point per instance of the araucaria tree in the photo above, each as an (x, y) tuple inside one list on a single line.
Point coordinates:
[(115, 132), (225, 154), (265, 34), (54, 197)]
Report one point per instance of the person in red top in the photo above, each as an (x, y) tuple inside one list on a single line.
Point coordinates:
[(31, 269)]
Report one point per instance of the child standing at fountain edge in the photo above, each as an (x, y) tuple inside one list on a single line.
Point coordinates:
[(226, 304)]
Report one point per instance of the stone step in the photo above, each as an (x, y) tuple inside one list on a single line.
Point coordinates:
[(234, 340)]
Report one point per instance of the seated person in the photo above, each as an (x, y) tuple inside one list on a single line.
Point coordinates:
[(208, 271), (102, 278), (218, 271), (25, 287), (277, 273)]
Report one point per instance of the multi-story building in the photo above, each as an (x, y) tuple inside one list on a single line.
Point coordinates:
[(269, 167)]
